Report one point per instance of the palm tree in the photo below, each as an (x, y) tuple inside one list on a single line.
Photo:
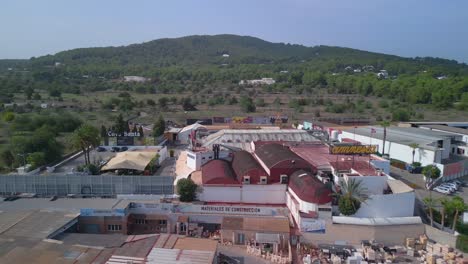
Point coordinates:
[(458, 205), (85, 138), (414, 146), (353, 193), (384, 124), (431, 204), (445, 207)]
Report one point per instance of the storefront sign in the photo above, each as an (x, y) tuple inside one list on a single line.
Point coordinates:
[(233, 210), (353, 149), (124, 134), (207, 209)]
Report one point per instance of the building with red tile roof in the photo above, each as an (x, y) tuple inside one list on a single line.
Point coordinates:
[(218, 172), (278, 160), (245, 165)]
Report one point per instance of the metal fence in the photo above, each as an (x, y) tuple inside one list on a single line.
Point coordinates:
[(98, 185)]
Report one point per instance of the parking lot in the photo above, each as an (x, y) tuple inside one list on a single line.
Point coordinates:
[(416, 181)]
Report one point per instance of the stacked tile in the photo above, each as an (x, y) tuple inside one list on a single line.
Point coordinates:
[(431, 259), (410, 242)]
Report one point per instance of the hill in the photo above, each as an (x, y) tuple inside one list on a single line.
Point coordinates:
[(207, 63), (208, 50)]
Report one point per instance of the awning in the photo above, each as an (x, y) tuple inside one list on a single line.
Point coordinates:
[(267, 238), (130, 160)]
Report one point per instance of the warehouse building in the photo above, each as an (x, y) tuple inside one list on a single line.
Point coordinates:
[(434, 147)]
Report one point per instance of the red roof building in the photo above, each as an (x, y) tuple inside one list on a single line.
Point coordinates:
[(279, 160), (308, 188), (218, 172), (244, 164)]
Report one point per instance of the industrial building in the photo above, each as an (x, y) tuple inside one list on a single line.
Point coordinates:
[(433, 146)]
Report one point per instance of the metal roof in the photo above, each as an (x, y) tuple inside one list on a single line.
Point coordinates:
[(242, 138), (404, 135), (179, 256), (61, 204), (448, 129)]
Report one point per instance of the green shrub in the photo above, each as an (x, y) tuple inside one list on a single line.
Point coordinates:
[(462, 243), (348, 206), (186, 188)]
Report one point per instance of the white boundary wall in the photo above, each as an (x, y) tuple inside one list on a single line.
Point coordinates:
[(261, 194)]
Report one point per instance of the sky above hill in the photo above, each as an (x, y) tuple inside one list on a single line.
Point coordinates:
[(407, 28)]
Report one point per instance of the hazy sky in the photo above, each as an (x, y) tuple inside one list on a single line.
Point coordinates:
[(437, 28)]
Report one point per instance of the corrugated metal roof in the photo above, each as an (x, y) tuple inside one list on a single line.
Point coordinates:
[(448, 129), (179, 256), (404, 135), (241, 138)]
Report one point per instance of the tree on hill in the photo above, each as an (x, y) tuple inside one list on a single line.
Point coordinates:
[(121, 125), (159, 127), (247, 104), (7, 157), (140, 131)]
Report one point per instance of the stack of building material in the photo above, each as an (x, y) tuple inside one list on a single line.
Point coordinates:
[(431, 259), (370, 254), (410, 241), (335, 259)]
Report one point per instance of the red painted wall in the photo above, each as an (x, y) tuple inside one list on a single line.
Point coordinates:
[(254, 174)]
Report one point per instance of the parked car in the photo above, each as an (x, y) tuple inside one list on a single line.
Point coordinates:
[(115, 149), (459, 182), (100, 149), (443, 190), (452, 184), (123, 149), (450, 187)]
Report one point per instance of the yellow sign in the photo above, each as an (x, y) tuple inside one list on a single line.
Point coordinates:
[(355, 149)]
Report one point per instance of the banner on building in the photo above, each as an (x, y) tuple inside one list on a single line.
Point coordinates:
[(313, 225), (207, 209), (353, 149)]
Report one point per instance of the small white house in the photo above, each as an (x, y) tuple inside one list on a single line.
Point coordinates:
[(44, 105), (225, 55)]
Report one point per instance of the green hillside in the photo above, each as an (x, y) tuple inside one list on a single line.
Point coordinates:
[(194, 63)]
